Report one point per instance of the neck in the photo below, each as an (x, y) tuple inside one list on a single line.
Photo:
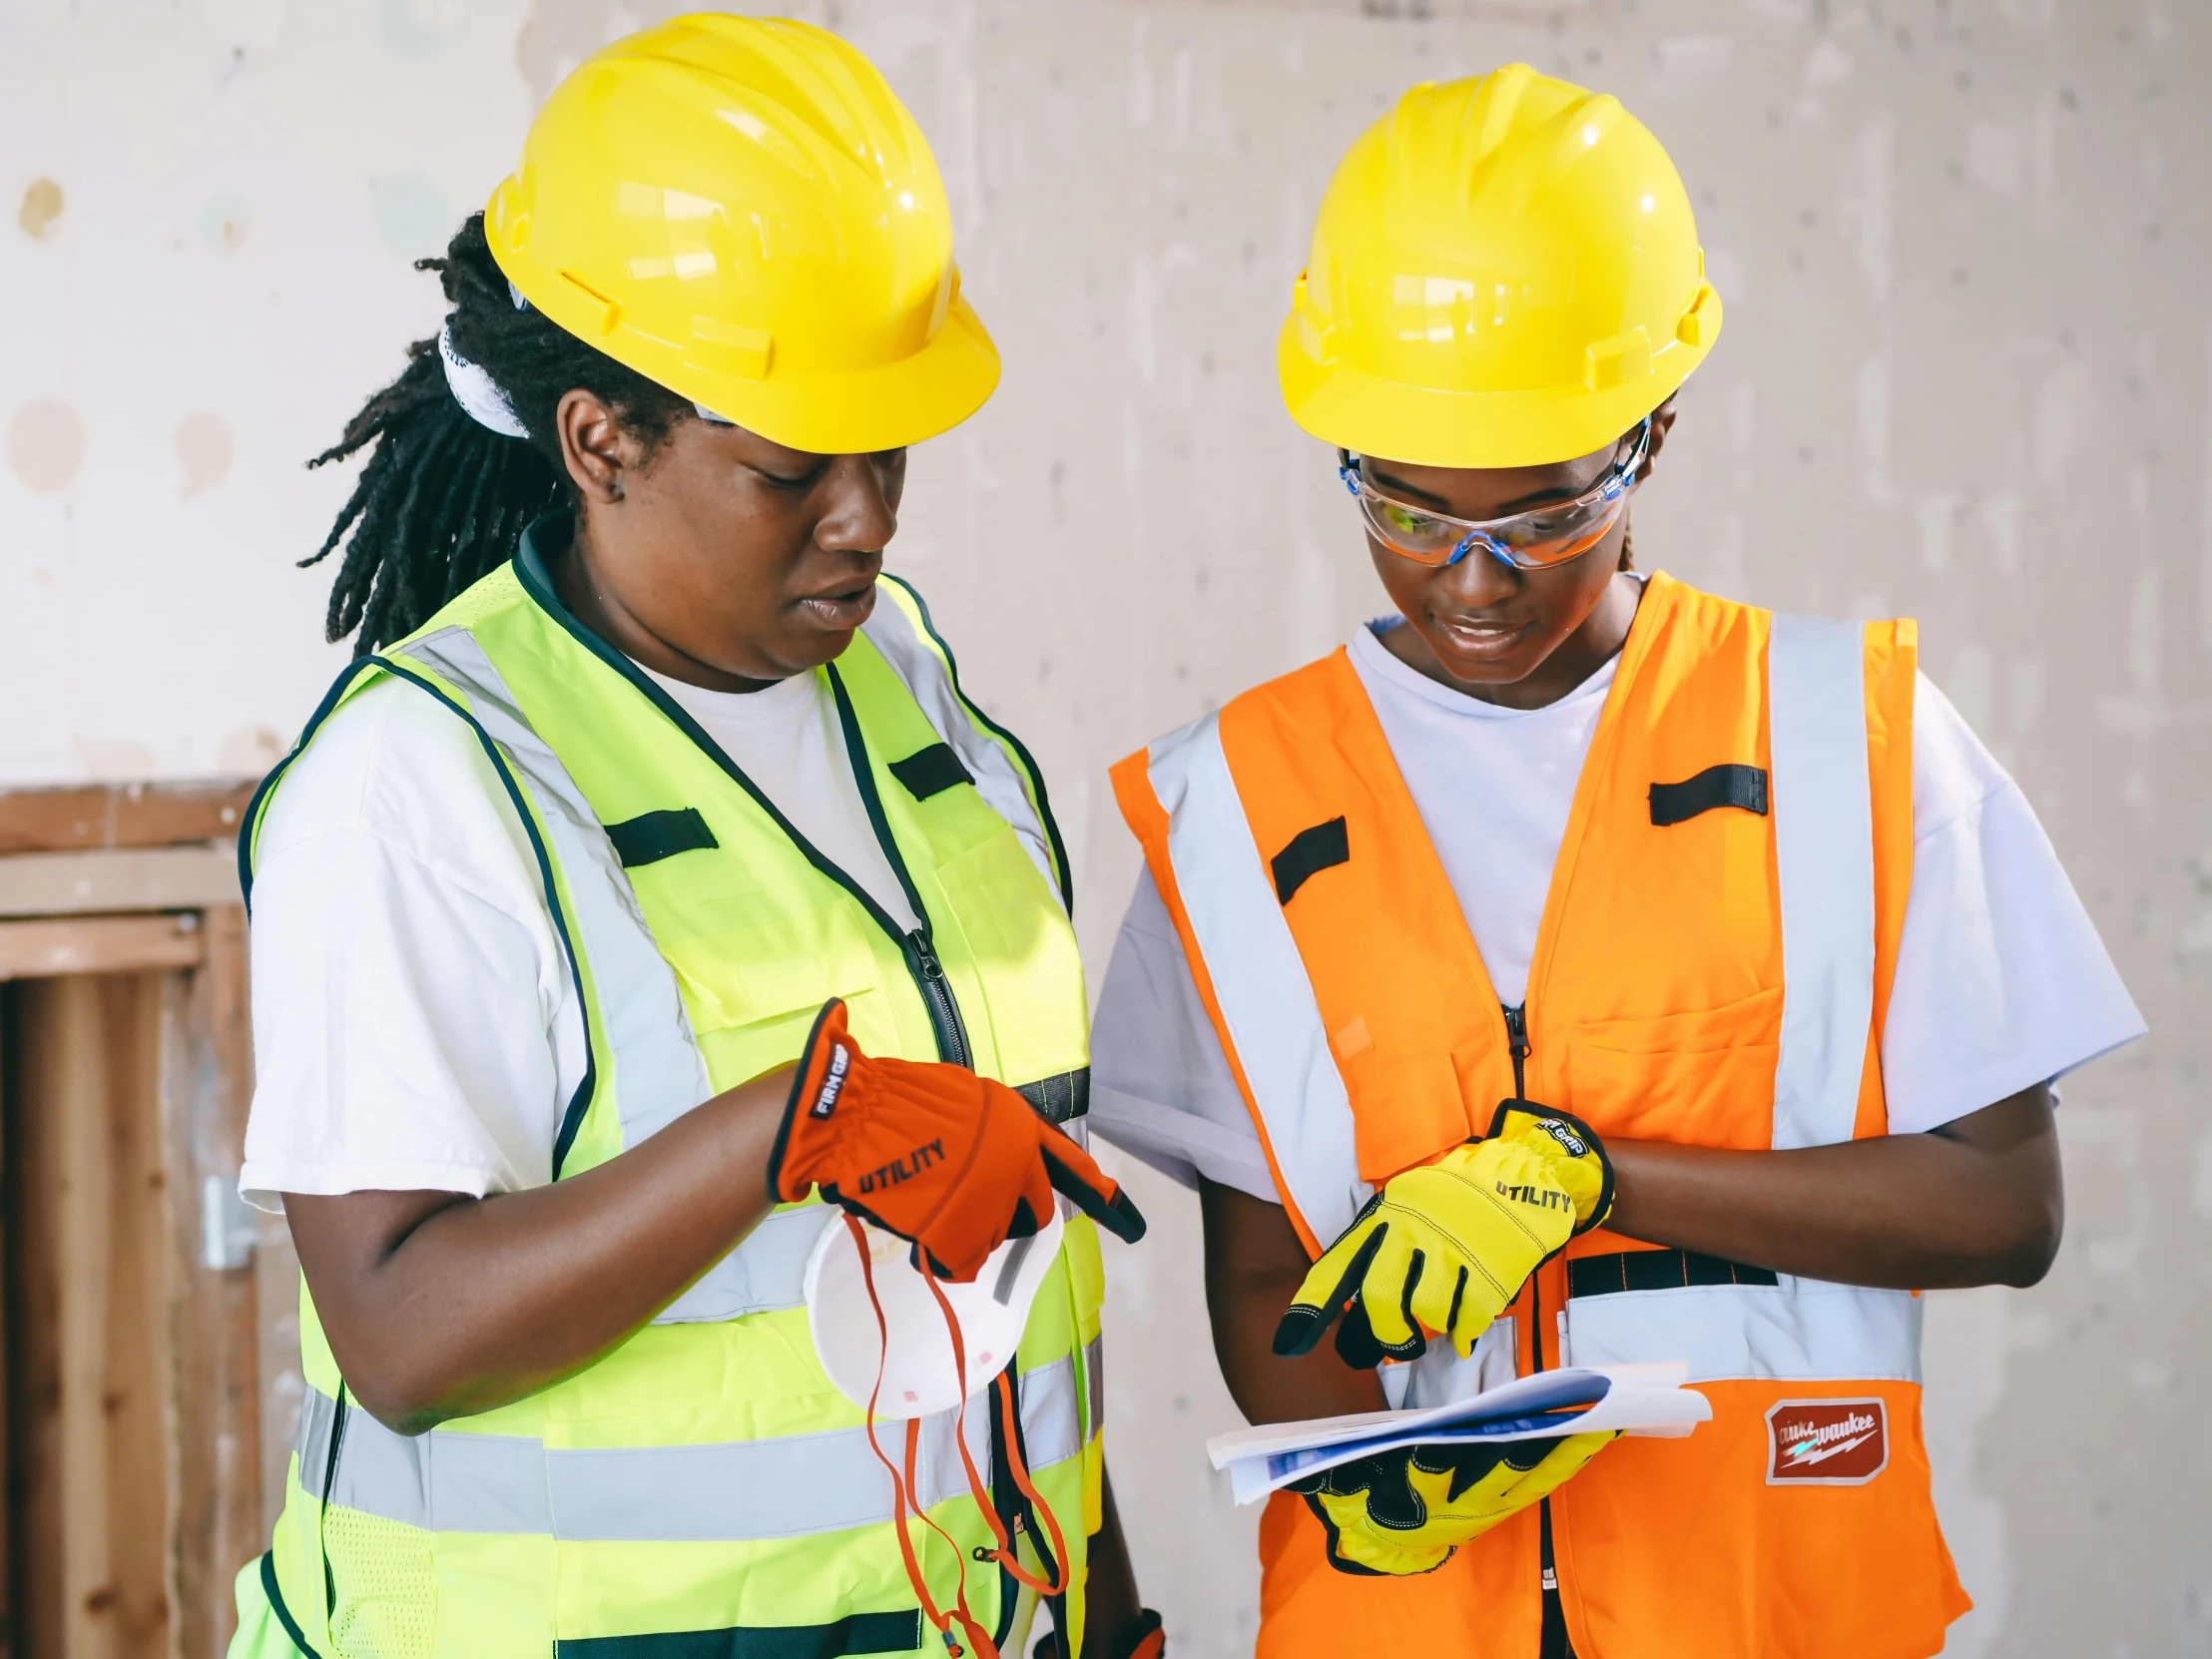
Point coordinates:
[(597, 604)]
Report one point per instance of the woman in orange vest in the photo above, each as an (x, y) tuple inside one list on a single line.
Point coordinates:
[(1767, 961)]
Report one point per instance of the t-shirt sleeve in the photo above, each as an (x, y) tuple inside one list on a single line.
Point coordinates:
[(414, 1027), (1161, 1088), (2001, 981)]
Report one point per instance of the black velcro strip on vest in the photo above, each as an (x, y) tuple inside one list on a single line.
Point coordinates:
[(1058, 1099), (855, 1633), (931, 771), (652, 836), (1657, 1270), (1311, 851), (1721, 785)]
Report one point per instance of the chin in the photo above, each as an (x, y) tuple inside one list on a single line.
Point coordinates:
[(1487, 671)]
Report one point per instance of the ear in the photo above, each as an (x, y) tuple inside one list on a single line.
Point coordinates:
[(1662, 422), (595, 448)]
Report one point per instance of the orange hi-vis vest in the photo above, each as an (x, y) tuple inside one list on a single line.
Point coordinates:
[(1712, 970)]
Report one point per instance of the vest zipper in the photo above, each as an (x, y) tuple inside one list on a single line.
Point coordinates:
[(919, 947), (936, 995), (1553, 1641), (1516, 1044)]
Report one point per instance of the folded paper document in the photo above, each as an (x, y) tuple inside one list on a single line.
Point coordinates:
[(1636, 1399)]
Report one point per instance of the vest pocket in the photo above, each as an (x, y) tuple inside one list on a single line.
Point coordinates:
[(386, 1582), (1404, 1111), (1018, 942), (1702, 1077)]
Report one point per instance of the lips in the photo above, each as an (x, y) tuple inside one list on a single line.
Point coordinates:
[(840, 611), (1481, 636)]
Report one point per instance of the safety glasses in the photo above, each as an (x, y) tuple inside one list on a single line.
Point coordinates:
[(1534, 540)]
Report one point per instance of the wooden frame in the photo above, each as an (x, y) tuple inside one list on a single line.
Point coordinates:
[(148, 1453)]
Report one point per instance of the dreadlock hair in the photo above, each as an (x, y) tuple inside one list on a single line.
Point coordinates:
[(443, 499)]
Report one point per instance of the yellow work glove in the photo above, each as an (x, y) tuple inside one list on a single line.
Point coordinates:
[(1449, 1245), (1404, 1511)]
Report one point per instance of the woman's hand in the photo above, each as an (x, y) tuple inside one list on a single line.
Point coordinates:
[(1977, 1202), (438, 1306)]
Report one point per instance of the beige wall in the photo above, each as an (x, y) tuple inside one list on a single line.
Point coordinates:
[(1965, 376)]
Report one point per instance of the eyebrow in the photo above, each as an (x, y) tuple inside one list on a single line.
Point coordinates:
[(1521, 504)]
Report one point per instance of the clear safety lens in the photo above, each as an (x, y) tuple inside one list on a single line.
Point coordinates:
[(1531, 540)]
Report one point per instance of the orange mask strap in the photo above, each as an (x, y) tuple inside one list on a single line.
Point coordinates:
[(1006, 1554), (905, 1496)]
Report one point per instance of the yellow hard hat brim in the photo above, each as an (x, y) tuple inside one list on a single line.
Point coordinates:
[(826, 412), (1349, 409), (861, 411)]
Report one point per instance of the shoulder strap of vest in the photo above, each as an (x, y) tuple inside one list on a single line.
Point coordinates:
[(360, 673), (1006, 773), (1181, 801), (1840, 725)]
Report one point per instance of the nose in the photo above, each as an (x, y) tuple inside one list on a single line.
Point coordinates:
[(863, 511), (1479, 580)]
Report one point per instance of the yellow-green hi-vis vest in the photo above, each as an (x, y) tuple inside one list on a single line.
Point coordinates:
[(704, 1490)]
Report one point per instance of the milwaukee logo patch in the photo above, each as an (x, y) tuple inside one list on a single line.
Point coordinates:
[(1826, 1443), (833, 1084)]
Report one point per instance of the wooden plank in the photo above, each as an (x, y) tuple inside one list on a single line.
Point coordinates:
[(48, 948), (122, 815), (34, 1333), (92, 1180), (10, 1648), (207, 1084), (148, 878)]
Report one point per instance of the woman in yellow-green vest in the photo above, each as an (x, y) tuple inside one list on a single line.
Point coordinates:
[(647, 783)]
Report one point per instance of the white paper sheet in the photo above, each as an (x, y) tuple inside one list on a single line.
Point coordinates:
[(1635, 1400)]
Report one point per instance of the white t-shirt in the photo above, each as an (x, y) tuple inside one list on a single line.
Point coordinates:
[(414, 1024), (2001, 981)]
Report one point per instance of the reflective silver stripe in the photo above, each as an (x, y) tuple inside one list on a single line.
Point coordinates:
[(1824, 844), (765, 1273), (483, 1482), (916, 661), (1799, 1330), (1260, 983), (657, 1072), (784, 1486), (652, 1064)]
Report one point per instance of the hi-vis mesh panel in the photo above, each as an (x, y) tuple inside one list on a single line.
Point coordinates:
[(387, 1587)]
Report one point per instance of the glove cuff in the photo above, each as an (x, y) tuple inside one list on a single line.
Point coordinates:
[(1576, 1140), (826, 1066)]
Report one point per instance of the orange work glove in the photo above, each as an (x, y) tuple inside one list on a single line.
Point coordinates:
[(955, 1163)]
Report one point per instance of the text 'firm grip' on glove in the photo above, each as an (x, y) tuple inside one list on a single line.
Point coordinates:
[(955, 1163), (1401, 1512), (1448, 1246)]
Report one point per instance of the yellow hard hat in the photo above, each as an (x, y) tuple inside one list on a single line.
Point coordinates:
[(741, 209), (1505, 272)]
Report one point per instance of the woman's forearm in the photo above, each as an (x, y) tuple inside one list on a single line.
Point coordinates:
[(439, 1304), (1977, 1202), (1253, 1267), (1110, 1585)]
